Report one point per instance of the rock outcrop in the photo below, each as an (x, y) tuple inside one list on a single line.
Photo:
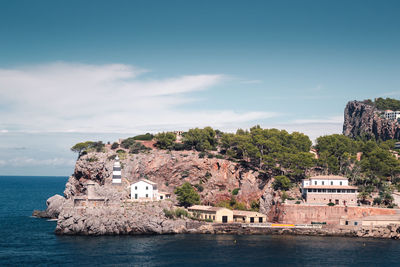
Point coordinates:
[(361, 119), (215, 178), (119, 219), (54, 207)]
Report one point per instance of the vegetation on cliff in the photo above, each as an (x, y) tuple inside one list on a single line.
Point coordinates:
[(384, 103)]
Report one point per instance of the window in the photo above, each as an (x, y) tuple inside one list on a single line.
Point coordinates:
[(347, 223), (323, 183), (135, 187), (161, 197), (214, 218), (331, 182), (260, 220), (147, 195), (251, 219), (341, 183), (136, 196), (315, 182), (355, 223), (147, 188)]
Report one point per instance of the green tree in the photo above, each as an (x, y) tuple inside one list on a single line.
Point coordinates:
[(282, 182), (200, 139), (81, 147), (187, 195), (165, 140)]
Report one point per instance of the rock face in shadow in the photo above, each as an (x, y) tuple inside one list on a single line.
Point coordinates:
[(54, 206), (119, 219), (362, 119)]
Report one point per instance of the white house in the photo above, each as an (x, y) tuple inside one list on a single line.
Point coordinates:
[(146, 190), (392, 115), (116, 176), (326, 189)]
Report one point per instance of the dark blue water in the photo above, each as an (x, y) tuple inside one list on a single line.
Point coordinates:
[(29, 241)]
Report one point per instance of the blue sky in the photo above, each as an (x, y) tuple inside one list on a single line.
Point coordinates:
[(100, 70)]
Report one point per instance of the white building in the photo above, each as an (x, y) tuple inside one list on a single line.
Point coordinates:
[(326, 189), (392, 115), (146, 190), (116, 176)]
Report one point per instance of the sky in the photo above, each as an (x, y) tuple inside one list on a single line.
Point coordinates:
[(73, 71)]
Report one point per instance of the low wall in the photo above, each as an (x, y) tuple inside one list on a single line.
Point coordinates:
[(303, 214)]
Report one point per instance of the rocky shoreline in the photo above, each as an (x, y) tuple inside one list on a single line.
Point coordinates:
[(150, 218)]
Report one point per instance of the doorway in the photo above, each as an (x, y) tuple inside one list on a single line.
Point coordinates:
[(224, 219)]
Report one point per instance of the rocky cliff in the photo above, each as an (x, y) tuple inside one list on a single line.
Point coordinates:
[(361, 119), (215, 178)]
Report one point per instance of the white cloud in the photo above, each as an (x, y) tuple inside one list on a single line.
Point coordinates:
[(67, 97), (334, 120)]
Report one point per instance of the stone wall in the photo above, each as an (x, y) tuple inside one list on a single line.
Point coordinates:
[(301, 214), (315, 198)]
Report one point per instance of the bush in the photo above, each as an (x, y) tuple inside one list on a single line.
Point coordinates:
[(255, 205), (92, 159), (199, 187), (144, 137), (136, 148), (235, 191), (186, 195), (208, 175), (114, 146), (178, 146), (219, 156), (284, 196), (121, 151), (282, 182), (377, 201), (165, 140), (185, 174), (298, 202), (331, 204), (126, 143), (210, 156), (202, 155), (169, 214), (208, 220), (112, 157), (180, 213)]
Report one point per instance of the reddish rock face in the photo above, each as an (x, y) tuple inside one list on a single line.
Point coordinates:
[(217, 177), (362, 119)]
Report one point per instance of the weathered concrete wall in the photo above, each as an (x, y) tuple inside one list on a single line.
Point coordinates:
[(301, 214)]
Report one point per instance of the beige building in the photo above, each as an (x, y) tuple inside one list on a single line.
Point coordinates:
[(216, 214), (326, 189), (244, 216), (224, 215)]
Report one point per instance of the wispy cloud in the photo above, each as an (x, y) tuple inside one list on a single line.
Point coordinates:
[(69, 97), (334, 120), (26, 161)]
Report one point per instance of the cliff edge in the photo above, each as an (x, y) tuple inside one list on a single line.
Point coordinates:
[(365, 120)]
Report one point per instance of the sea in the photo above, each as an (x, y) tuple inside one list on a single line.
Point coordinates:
[(25, 240)]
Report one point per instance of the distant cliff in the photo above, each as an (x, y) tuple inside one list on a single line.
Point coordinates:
[(363, 119)]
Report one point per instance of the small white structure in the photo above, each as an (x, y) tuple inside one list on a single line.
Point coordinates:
[(116, 176), (146, 190), (392, 115)]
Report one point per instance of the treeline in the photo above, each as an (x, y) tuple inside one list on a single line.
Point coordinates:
[(377, 169), (384, 103)]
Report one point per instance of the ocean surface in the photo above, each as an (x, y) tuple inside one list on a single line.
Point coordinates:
[(30, 241)]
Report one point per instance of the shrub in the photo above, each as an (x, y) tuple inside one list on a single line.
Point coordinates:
[(136, 148), (121, 151), (255, 205), (178, 146), (329, 204), (202, 155), (199, 187), (298, 202), (219, 156), (114, 146), (208, 175), (126, 143), (210, 156), (169, 214), (282, 182), (284, 196), (92, 159), (185, 174), (235, 191), (186, 195), (165, 140), (112, 157), (144, 137), (377, 201), (180, 213), (208, 220)]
